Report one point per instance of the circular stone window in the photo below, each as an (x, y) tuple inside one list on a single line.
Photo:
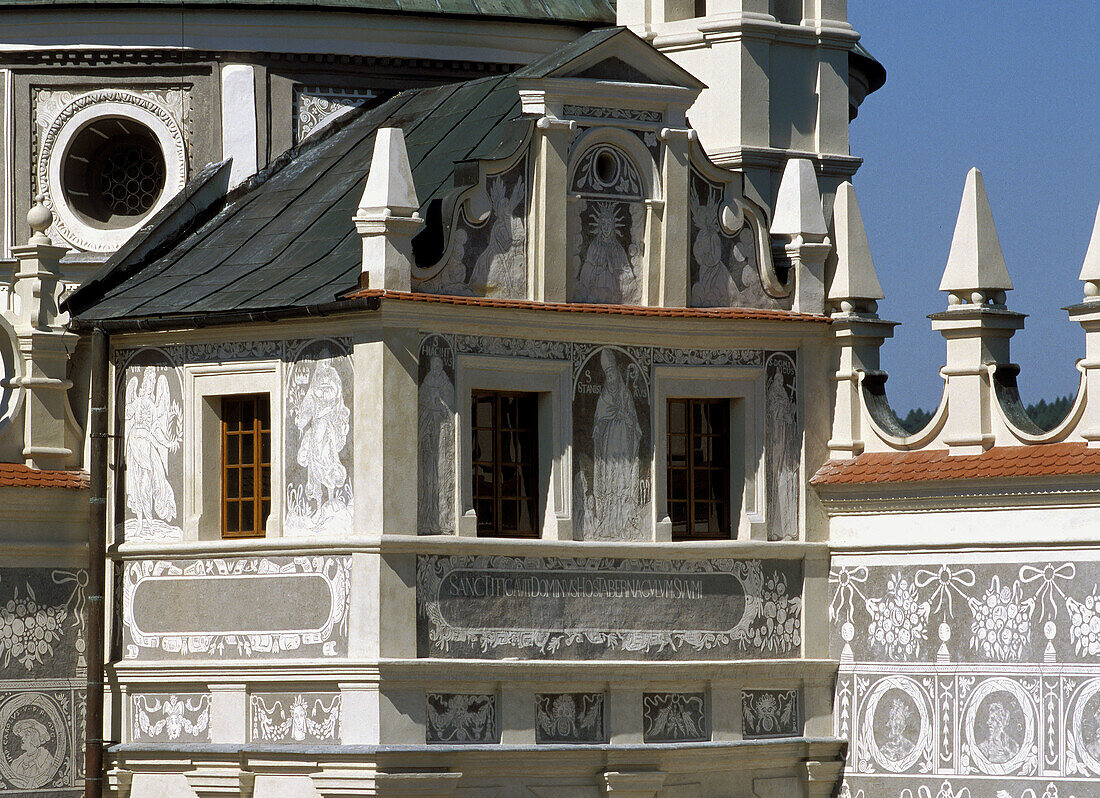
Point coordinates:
[(109, 161), (113, 173)]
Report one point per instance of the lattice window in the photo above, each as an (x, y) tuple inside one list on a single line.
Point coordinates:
[(505, 463), (699, 468), (246, 465)]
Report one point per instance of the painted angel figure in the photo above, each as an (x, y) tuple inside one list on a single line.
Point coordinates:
[(152, 432), (617, 437), (714, 286), (500, 270), (323, 421)]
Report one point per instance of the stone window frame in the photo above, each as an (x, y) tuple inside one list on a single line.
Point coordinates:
[(744, 386), (552, 380), (205, 385)]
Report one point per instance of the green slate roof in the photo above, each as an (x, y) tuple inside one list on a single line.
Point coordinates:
[(590, 12)]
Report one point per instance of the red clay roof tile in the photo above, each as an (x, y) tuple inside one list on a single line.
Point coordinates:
[(17, 475), (1048, 459)]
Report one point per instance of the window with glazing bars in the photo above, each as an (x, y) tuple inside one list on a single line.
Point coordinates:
[(505, 463), (699, 468), (246, 465)]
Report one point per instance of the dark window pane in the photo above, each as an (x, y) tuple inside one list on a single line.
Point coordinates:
[(677, 417), (248, 482), (505, 468), (247, 451), (265, 447), (483, 411), (698, 467), (246, 517), (483, 445)]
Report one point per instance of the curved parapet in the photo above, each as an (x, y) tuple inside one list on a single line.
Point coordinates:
[(884, 422)]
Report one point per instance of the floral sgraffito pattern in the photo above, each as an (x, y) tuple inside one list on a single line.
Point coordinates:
[(899, 620), (779, 627), (172, 717), (31, 628), (282, 718), (1002, 621), (674, 717)]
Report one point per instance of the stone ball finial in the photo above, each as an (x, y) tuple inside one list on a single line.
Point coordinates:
[(40, 217)]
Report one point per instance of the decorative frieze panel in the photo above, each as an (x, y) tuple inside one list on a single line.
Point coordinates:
[(675, 718), (487, 257), (243, 608), (461, 718), (605, 608), (569, 718), (965, 673), (770, 713), (171, 718), (315, 107), (294, 718)]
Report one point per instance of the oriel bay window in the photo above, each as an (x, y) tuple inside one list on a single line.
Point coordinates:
[(504, 438), (698, 468), (246, 465)]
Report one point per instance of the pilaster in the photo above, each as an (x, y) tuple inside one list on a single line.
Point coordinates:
[(549, 210)]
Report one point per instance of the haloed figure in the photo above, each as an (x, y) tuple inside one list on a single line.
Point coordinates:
[(322, 419), (617, 437)]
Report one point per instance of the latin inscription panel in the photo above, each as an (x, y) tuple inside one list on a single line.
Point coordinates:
[(607, 608)]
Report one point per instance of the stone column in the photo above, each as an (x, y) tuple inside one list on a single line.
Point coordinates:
[(800, 236)]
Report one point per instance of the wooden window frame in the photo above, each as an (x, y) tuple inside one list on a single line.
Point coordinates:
[(720, 461), (496, 464), (260, 467)]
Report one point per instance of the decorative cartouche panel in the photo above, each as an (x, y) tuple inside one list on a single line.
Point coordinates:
[(607, 219), (612, 421), (675, 718), (725, 265), (42, 644), (461, 718), (436, 412), (784, 445), (968, 674), (223, 609), (170, 717), (569, 718), (317, 439), (150, 410), (494, 607), (770, 713), (488, 257), (294, 717)]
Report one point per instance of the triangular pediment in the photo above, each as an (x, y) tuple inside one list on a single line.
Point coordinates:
[(615, 55)]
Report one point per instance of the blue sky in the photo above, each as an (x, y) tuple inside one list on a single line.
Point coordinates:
[(1012, 88)]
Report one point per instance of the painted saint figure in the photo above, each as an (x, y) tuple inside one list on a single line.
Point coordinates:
[(322, 420), (501, 269), (998, 746), (783, 444), (153, 430), (897, 745), (606, 275), (34, 767), (617, 436), (435, 450), (714, 285)]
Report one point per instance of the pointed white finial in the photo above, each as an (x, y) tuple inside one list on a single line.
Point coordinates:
[(798, 205), (390, 181), (854, 281), (976, 271), (1090, 269), (40, 217)]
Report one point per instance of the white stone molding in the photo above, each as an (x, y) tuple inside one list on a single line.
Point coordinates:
[(239, 137), (152, 110)]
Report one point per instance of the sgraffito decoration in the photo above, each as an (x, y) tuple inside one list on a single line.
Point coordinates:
[(968, 675), (482, 607), (317, 440), (488, 257), (770, 713), (783, 445), (150, 395), (674, 718), (607, 228), (42, 648), (612, 447), (436, 444), (725, 265), (223, 609), (461, 718), (569, 718), (317, 106), (173, 718), (295, 717)]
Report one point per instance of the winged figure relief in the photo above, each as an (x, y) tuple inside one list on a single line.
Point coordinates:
[(153, 431)]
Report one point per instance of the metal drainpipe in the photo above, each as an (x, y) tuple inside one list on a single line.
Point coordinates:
[(97, 545)]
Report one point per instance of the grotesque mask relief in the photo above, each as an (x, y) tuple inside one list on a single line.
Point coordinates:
[(607, 229), (151, 416), (783, 441), (318, 441), (725, 265), (611, 444), (436, 444), (488, 258)]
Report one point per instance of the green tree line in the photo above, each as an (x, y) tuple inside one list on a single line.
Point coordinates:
[(1046, 415)]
